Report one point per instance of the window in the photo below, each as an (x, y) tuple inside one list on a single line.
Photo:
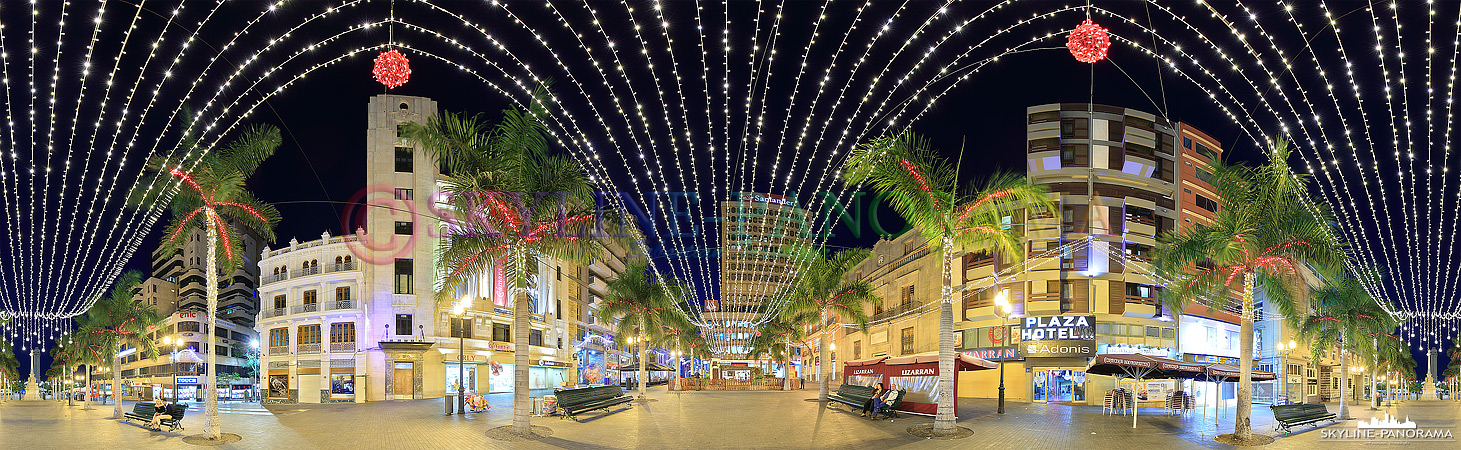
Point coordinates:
[(220, 350), (220, 332), (535, 337), (404, 194), (403, 159), (403, 276), (559, 308), (342, 293), (310, 297), (1075, 128), (1186, 142), (501, 332), (404, 227), (908, 340), (1206, 152), (342, 332), (1206, 203), (403, 324), (856, 349), (558, 273), (461, 327), (309, 334), (908, 295), (279, 337), (910, 246), (188, 326), (1206, 177), (1153, 332), (1075, 155)]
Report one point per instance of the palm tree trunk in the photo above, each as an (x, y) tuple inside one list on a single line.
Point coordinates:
[(1374, 369), (1343, 379), (85, 389), (117, 382), (643, 361), (943, 422), (786, 370), (1243, 418), (824, 362), (521, 402), (211, 425)]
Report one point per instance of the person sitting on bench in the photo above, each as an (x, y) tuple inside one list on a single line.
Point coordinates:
[(889, 396), (159, 414), (869, 405)]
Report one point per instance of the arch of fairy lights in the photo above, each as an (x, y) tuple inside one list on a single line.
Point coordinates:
[(679, 97)]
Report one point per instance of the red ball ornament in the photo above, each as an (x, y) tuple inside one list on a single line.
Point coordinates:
[(1088, 42), (392, 69)]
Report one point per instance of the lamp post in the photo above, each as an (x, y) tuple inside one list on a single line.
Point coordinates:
[(1003, 310), (1283, 367), (255, 345), (1361, 371), (173, 357), (461, 311)]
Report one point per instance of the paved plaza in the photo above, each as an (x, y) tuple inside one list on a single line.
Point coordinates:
[(699, 420)]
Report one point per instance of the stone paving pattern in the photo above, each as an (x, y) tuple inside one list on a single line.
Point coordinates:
[(698, 420)]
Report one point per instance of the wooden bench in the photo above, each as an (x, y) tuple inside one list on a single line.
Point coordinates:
[(856, 396), (143, 412), (1300, 414), (574, 401)]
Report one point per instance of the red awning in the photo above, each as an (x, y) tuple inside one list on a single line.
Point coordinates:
[(962, 362), (865, 362), (1143, 366)]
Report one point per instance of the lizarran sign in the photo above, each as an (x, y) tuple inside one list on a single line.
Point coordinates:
[(1058, 328)]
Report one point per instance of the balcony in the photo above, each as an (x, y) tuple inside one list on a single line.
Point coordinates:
[(341, 304), (342, 347), (305, 349), (273, 278), (275, 351), (341, 267), (273, 312), (307, 271), (307, 308), (897, 310)]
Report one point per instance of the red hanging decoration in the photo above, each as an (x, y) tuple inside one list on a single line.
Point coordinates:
[(392, 69), (1088, 42)]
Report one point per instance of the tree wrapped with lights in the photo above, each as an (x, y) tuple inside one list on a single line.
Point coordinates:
[(775, 338), (116, 320), (213, 199), (924, 189), (820, 294), (1343, 315), (1265, 236), (494, 175), (9, 364), (643, 307), (682, 337)]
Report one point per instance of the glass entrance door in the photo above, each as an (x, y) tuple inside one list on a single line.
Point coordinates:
[(1064, 386)]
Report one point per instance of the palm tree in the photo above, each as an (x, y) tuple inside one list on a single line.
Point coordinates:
[(641, 306), (683, 338), (1265, 232), (81, 349), (925, 190), (115, 320), (774, 339), (495, 175), (821, 293), (213, 199), (9, 365), (1343, 314)]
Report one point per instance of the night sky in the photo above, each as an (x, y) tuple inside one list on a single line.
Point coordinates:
[(322, 117)]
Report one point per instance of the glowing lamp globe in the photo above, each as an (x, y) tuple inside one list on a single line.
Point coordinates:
[(1088, 42), (392, 69)]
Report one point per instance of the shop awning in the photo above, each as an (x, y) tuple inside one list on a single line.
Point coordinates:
[(1224, 372), (961, 362), (1143, 367), (652, 367), (866, 362)]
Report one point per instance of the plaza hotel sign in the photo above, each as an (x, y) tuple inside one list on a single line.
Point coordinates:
[(1058, 337)]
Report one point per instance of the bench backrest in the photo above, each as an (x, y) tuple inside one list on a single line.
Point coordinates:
[(176, 411), (586, 395), (899, 400), (144, 408), (852, 390), (1296, 410)]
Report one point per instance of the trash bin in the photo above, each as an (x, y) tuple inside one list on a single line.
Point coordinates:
[(450, 401)]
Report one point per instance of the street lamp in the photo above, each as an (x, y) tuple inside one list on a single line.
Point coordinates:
[(460, 311), (1283, 381), (254, 344), (173, 357), (1004, 311)]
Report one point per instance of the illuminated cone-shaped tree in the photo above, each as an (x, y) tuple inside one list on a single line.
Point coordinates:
[(511, 201), (924, 190), (1266, 233), (1344, 316), (822, 294), (115, 320), (643, 307), (210, 196)]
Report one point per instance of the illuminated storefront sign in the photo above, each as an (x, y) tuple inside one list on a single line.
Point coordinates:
[(1058, 349), (1214, 359), (993, 353), (1080, 328)]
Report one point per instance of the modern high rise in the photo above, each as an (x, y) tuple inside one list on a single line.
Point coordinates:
[(756, 231)]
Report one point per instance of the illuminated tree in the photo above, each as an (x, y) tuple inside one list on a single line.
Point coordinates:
[(822, 293), (774, 339), (211, 197), (1266, 232), (639, 305), (1344, 314), (925, 191), (115, 320)]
